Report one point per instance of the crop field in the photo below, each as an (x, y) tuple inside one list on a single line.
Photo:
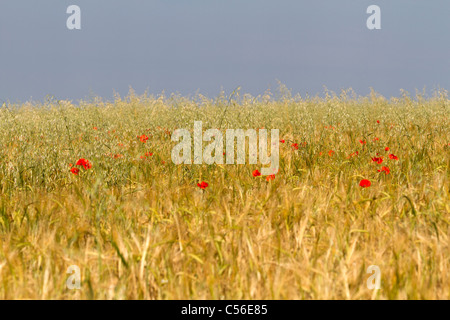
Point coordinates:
[(363, 181)]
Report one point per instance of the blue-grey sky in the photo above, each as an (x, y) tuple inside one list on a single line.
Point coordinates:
[(188, 45)]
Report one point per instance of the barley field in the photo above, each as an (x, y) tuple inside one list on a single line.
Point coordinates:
[(363, 180)]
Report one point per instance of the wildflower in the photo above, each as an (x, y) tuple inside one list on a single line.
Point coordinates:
[(331, 153), (393, 157), (143, 138), (283, 141), (95, 128), (363, 142), (75, 171), (378, 121), (256, 173), (270, 177), (354, 154), (365, 183), (385, 169), (295, 146), (118, 156), (85, 163), (203, 185), (376, 139), (378, 160), (386, 149)]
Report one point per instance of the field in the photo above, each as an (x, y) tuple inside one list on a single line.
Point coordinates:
[(139, 227)]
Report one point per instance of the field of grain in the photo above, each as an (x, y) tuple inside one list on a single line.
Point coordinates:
[(139, 227)]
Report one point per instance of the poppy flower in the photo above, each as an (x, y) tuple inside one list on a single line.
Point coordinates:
[(365, 183), (75, 171), (386, 149), (354, 154), (118, 156), (203, 185), (385, 169), (378, 160), (95, 128), (393, 157), (331, 153), (376, 139), (85, 163), (295, 146), (256, 173), (271, 177), (143, 138), (283, 141), (362, 142), (378, 121)]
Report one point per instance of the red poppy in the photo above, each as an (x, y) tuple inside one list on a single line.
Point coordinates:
[(378, 160), (376, 139), (365, 183), (385, 169), (85, 163), (271, 177), (362, 142), (256, 173), (354, 154), (392, 157), (378, 121), (386, 149), (75, 171), (283, 141), (295, 146), (95, 128), (118, 156), (331, 153), (143, 138), (203, 185)]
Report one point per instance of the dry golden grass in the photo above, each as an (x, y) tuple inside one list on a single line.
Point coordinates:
[(142, 229)]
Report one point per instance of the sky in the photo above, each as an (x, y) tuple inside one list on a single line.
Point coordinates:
[(205, 46)]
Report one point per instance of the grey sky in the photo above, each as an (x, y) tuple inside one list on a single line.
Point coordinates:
[(188, 45)]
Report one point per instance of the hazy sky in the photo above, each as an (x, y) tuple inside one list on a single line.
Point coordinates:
[(188, 45)]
